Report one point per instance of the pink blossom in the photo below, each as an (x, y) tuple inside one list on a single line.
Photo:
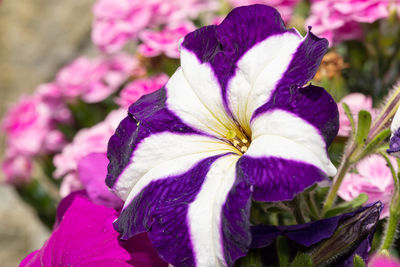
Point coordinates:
[(285, 7), (92, 171), (95, 79), (51, 95), (119, 21), (134, 90), (374, 178), (383, 261), (165, 41), (356, 102), (26, 125), (84, 236), (17, 169), (86, 141), (338, 20)]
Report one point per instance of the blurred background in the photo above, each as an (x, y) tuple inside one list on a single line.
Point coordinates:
[(37, 37)]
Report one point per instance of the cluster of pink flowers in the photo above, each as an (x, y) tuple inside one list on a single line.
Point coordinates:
[(30, 128), (134, 90), (372, 177), (119, 21), (340, 20), (31, 125), (86, 141), (95, 79)]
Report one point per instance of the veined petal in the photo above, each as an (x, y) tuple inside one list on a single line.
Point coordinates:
[(312, 104), (198, 102), (256, 77), (282, 134), (147, 116), (176, 154), (188, 216), (286, 159)]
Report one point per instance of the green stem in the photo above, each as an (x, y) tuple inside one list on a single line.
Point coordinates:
[(330, 199), (390, 230)]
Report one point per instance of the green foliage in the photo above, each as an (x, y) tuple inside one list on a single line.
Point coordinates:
[(358, 261), (348, 205), (363, 126), (302, 260)]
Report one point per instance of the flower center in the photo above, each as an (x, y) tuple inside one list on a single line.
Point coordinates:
[(239, 140)]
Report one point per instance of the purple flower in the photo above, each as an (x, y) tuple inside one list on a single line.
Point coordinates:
[(84, 236), (233, 124), (394, 146), (330, 242)]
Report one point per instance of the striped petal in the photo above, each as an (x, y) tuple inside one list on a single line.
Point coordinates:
[(287, 153), (199, 217)]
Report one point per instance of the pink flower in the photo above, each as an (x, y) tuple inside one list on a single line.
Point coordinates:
[(134, 90), (338, 20), (92, 172), (17, 169), (165, 41), (26, 125), (383, 261), (356, 102), (84, 236), (119, 21), (373, 178), (285, 7), (95, 79), (86, 141)]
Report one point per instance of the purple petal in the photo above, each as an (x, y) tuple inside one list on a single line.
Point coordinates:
[(312, 233), (313, 104), (394, 145), (85, 236), (147, 116), (278, 179)]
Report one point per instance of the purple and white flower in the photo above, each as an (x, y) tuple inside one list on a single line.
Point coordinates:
[(394, 146), (233, 124)]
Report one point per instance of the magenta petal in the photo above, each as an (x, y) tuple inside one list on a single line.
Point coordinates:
[(92, 171), (85, 237)]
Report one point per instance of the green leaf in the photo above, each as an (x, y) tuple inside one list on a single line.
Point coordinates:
[(349, 116), (282, 248), (364, 124), (348, 205), (358, 261), (375, 143), (302, 260)]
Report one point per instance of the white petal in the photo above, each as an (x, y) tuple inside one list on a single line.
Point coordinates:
[(204, 214), (281, 134), (258, 73), (162, 155), (195, 96)]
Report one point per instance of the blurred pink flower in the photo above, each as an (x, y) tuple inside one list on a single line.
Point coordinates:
[(86, 141), (373, 178), (119, 21), (95, 79), (165, 41), (84, 236), (356, 102), (383, 261), (17, 169), (338, 20), (26, 125), (134, 90), (92, 172), (285, 7)]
